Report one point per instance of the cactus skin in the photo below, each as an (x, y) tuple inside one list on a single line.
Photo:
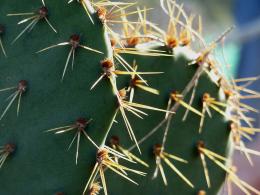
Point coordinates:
[(40, 163), (183, 136)]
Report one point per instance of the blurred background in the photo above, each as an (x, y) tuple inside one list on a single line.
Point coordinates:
[(242, 51)]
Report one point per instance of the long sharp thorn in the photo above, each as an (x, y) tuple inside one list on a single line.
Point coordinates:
[(250, 151), (149, 89), (32, 26), (126, 122), (134, 113), (86, 9), (168, 108), (58, 128), (90, 49), (7, 89), (103, 180), (67, 63), (48, 22), (2, 47), (91, 178), (138, 159), (215, 155), (27, 19), (72, 141), (89, 138), (163, 174), (239, 185), (77, 151), (175, 157), (202, 119), (64, 130), (98, 80), (19, 103), (134, 109), (9, 105), (178, 172), (21, 14), (132, 92), (130, 130), (122, 175), (26, 28), (73, 59), (190, 108), (3, 159), (123, 61), (205, 168), (53, 46), (147, 107)]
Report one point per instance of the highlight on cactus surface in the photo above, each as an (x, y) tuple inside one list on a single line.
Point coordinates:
[(182, 113)]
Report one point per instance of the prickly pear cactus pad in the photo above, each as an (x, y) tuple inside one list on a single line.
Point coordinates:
[(87, 108), (39, 93), (215, 131)]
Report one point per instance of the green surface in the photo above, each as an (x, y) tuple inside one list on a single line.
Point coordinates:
[(183, 136), (42, 164)]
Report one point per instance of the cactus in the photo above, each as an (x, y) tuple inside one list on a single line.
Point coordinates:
[(71, 87), (183, 136)]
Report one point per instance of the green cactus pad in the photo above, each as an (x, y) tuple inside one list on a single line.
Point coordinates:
[(183, 136), (41, 163)]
